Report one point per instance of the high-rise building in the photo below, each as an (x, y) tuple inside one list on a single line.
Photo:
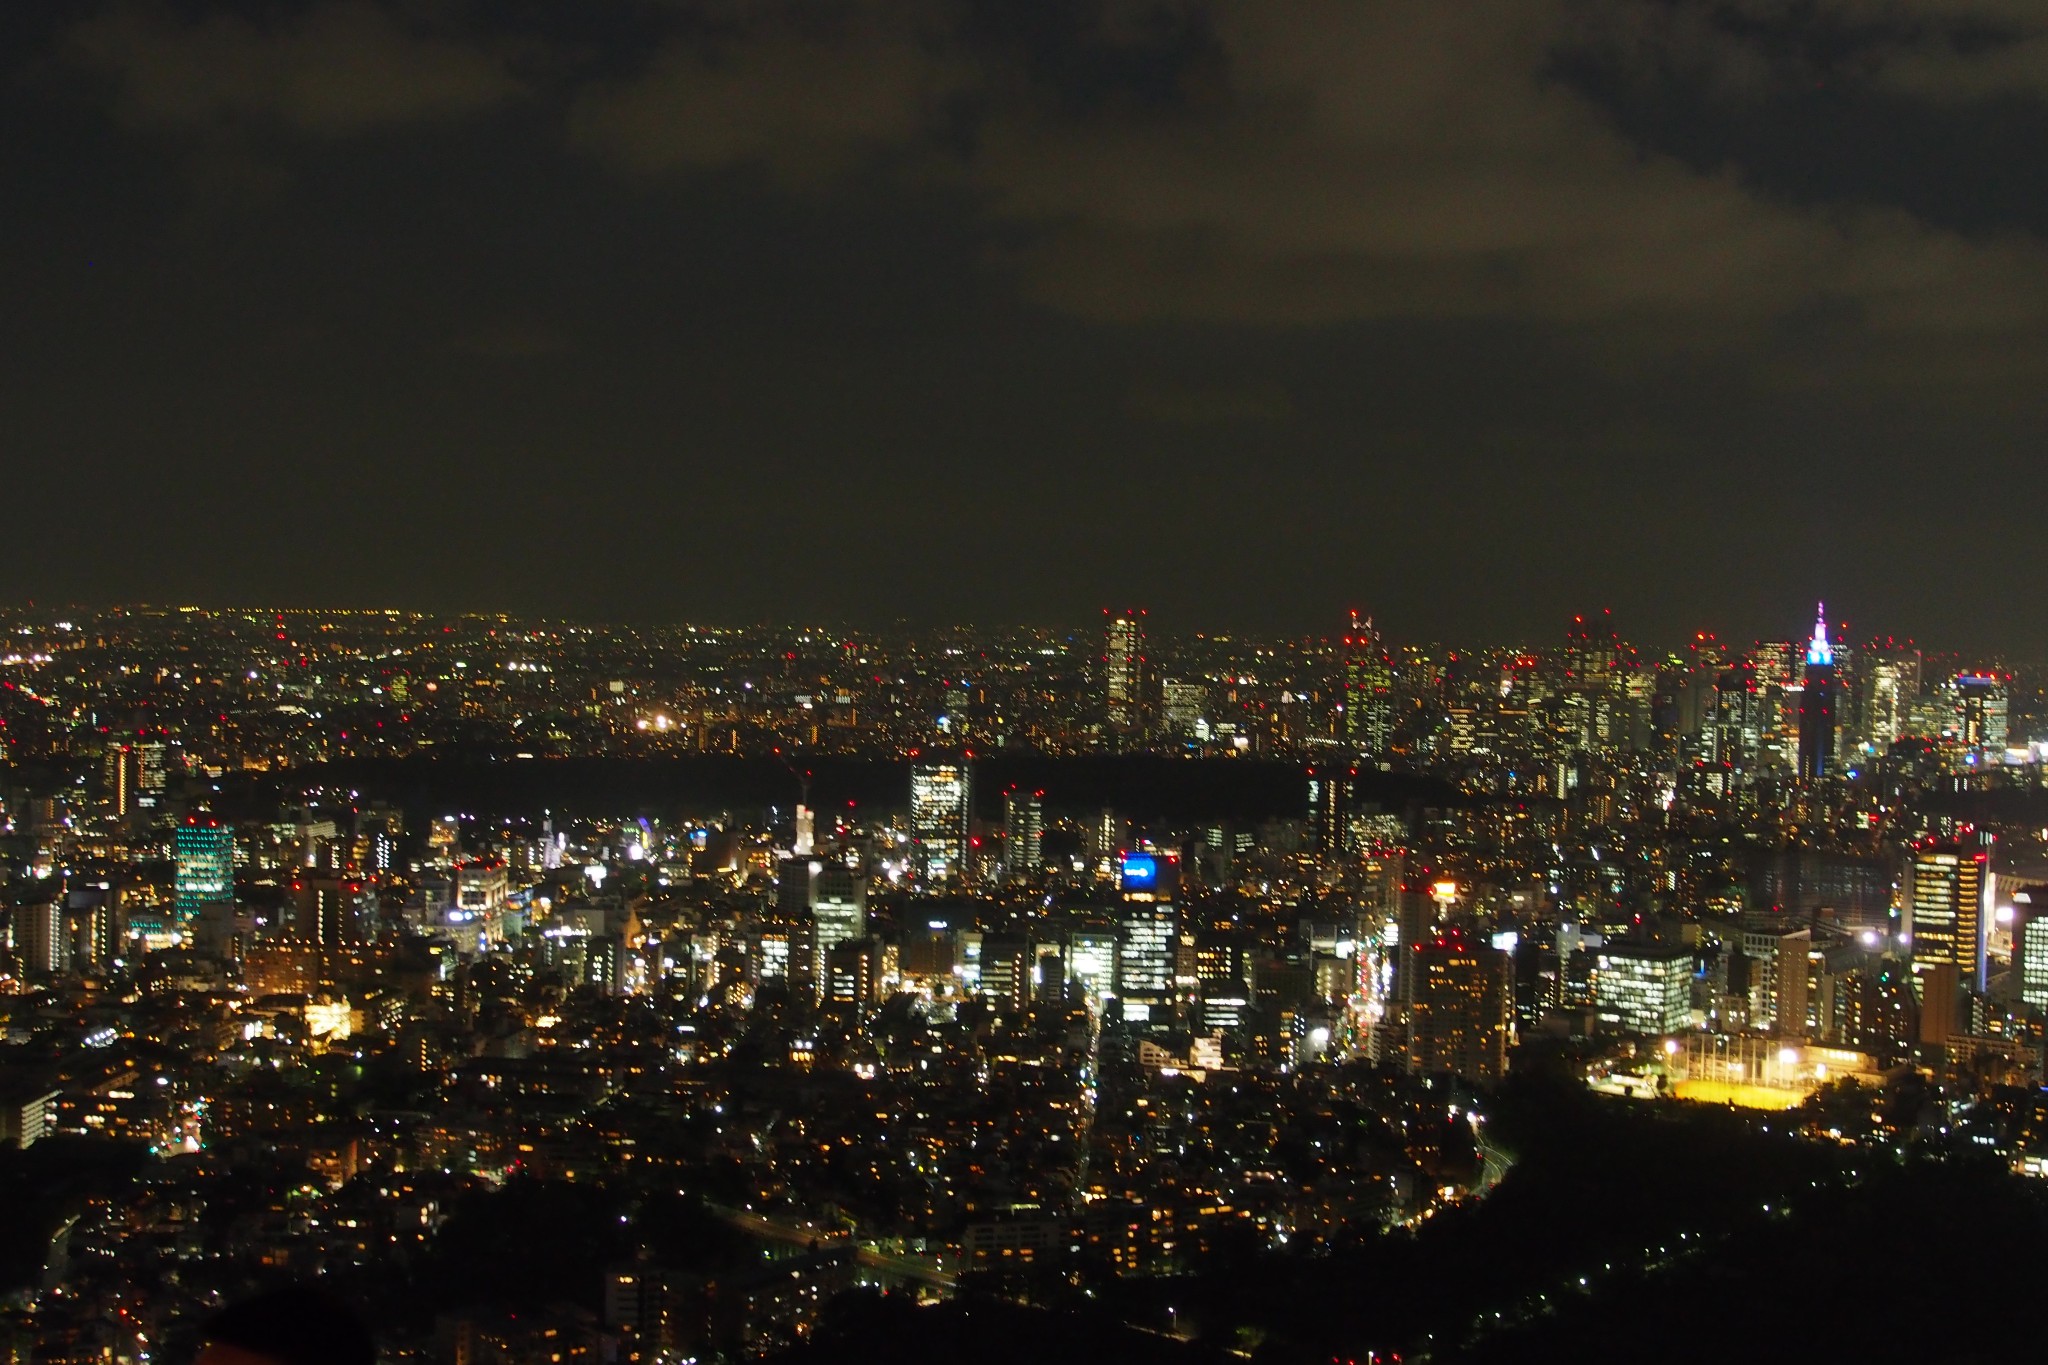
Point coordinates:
[(1817, 704), (1890, 683), (154, 761), (123, 777), (1151, 935), (1463, 997), (1778, 955), (834, 897), (1091, 960), (1947, 889), (483, 888), (941, 815), (332, 910), (1124, 676), (2030, 944), (1644, 987), (203, 852), (40, 938), (1981, 713), (1182, 705), (1741, 718), (1368, 689), (1023, 835), (1329, 807)]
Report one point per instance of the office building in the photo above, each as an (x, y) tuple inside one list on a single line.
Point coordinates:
[(941, 816), (121, 772), (1643, 988), (1981, 722), (203, 873), (1147, 958), (1368, 692), (41, 941), (1092, 960), (1459, 1021), (1023, 836), (332, 910), (2030, 944), (1946, 892), (1124, 677), (833, 898)]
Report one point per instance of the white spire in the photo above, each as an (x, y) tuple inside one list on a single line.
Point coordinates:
[(1819, 653)]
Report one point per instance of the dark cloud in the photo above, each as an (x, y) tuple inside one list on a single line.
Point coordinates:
[(1183, 403), (339, 68), (1252, 309)]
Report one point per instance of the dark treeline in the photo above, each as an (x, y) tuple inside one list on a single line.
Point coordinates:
[(1139, 786)]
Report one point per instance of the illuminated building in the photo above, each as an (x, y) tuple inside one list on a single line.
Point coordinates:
[(1123, 675), (203, 851), (1817, 704), (28, 1113), (838, 900), (2030, 944), (1778, 956), (1643, 987), (123, 775), (1181, 707), (1005, 977), (1368, 689), (152, 771), (941, 812), (1151, 935), (1890, 683), (1946, 892), (40, 938), (1459, 1019), (1981, 722), (331, 910), (1734, 738), (1091, 960), (482, 890), (1023, 836), (851, 971)]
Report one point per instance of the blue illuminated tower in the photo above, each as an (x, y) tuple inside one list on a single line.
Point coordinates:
[(1817, 704)]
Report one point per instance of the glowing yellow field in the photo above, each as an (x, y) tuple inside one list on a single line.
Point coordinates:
[(1739, 1095)]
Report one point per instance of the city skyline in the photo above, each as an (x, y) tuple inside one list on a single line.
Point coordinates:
[(807, 682), (1331, 631), (768, 978)]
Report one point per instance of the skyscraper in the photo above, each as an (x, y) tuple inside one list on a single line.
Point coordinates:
[(1459, 1020), (1981, 713), (2030, 944), (1644, 987), (1123, 676), (1817, 704), (1151, 935), (1023, 835), (1368, 689), (1947, 888), (835, 899), (203, 850), (123, 772), (330, 909), (941, 813)]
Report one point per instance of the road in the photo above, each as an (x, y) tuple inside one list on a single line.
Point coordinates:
[(902, 1266)]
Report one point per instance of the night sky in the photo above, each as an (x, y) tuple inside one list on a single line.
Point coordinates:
[(1470, 314)]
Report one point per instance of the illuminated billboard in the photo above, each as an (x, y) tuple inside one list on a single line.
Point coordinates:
[(1141, 872)]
